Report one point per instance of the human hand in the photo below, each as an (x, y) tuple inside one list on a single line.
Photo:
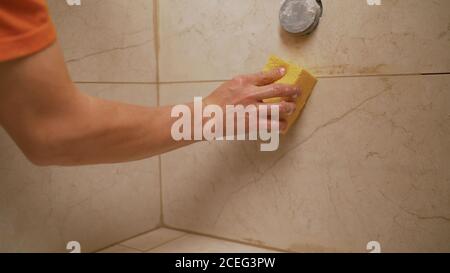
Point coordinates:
[(253, 89)]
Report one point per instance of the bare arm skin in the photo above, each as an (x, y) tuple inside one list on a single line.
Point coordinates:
[(54, 123)]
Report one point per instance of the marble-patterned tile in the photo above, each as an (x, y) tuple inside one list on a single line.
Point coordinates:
[(178, 93), (41, 209), (107, 41), (139, 94), (24, 203), (119, 249), (216, 40), (153, 239), (201, 244), (368, 160)]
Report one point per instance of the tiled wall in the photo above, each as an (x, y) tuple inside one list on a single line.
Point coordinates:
[(217, 39), (108, 41), (109, 47), (369, 159)]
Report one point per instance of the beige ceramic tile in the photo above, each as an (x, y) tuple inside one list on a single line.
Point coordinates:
[(153, 239), (215, 39), (171, 94), (367, 161), (25, 206), (107, 41), (119, 249), (41, 209), (201, 244), (139, 94)]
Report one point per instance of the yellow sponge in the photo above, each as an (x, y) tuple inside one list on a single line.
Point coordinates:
[(295, 75)]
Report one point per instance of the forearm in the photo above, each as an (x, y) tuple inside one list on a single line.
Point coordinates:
[(100, 131), (56, 124)]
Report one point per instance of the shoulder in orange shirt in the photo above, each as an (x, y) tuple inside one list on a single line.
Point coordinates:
[(25, 28)]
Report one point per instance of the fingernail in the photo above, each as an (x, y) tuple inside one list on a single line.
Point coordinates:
[(283, 70)]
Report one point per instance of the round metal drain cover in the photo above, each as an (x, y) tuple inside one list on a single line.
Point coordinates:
[(300, 16)]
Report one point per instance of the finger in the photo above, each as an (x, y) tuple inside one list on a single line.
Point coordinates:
[(285, 108), (277, 90), (268, 77), (289, 110), (290, 99), (282, 125)]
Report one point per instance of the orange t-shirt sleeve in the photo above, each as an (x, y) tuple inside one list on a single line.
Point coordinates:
[(25, 28)]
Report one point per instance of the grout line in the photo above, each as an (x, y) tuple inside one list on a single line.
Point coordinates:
[(380, 75), (158, 245), (196, 81), (227, 239), (122, 241), (435, 73), (366, 76), (168, 241), (86, 82), (156, 38), (158, 99), (161, 203), (319, 77), (323, 77), (139, 250)]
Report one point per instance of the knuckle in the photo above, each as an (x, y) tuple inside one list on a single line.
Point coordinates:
[(278, 89), (287, 91)]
